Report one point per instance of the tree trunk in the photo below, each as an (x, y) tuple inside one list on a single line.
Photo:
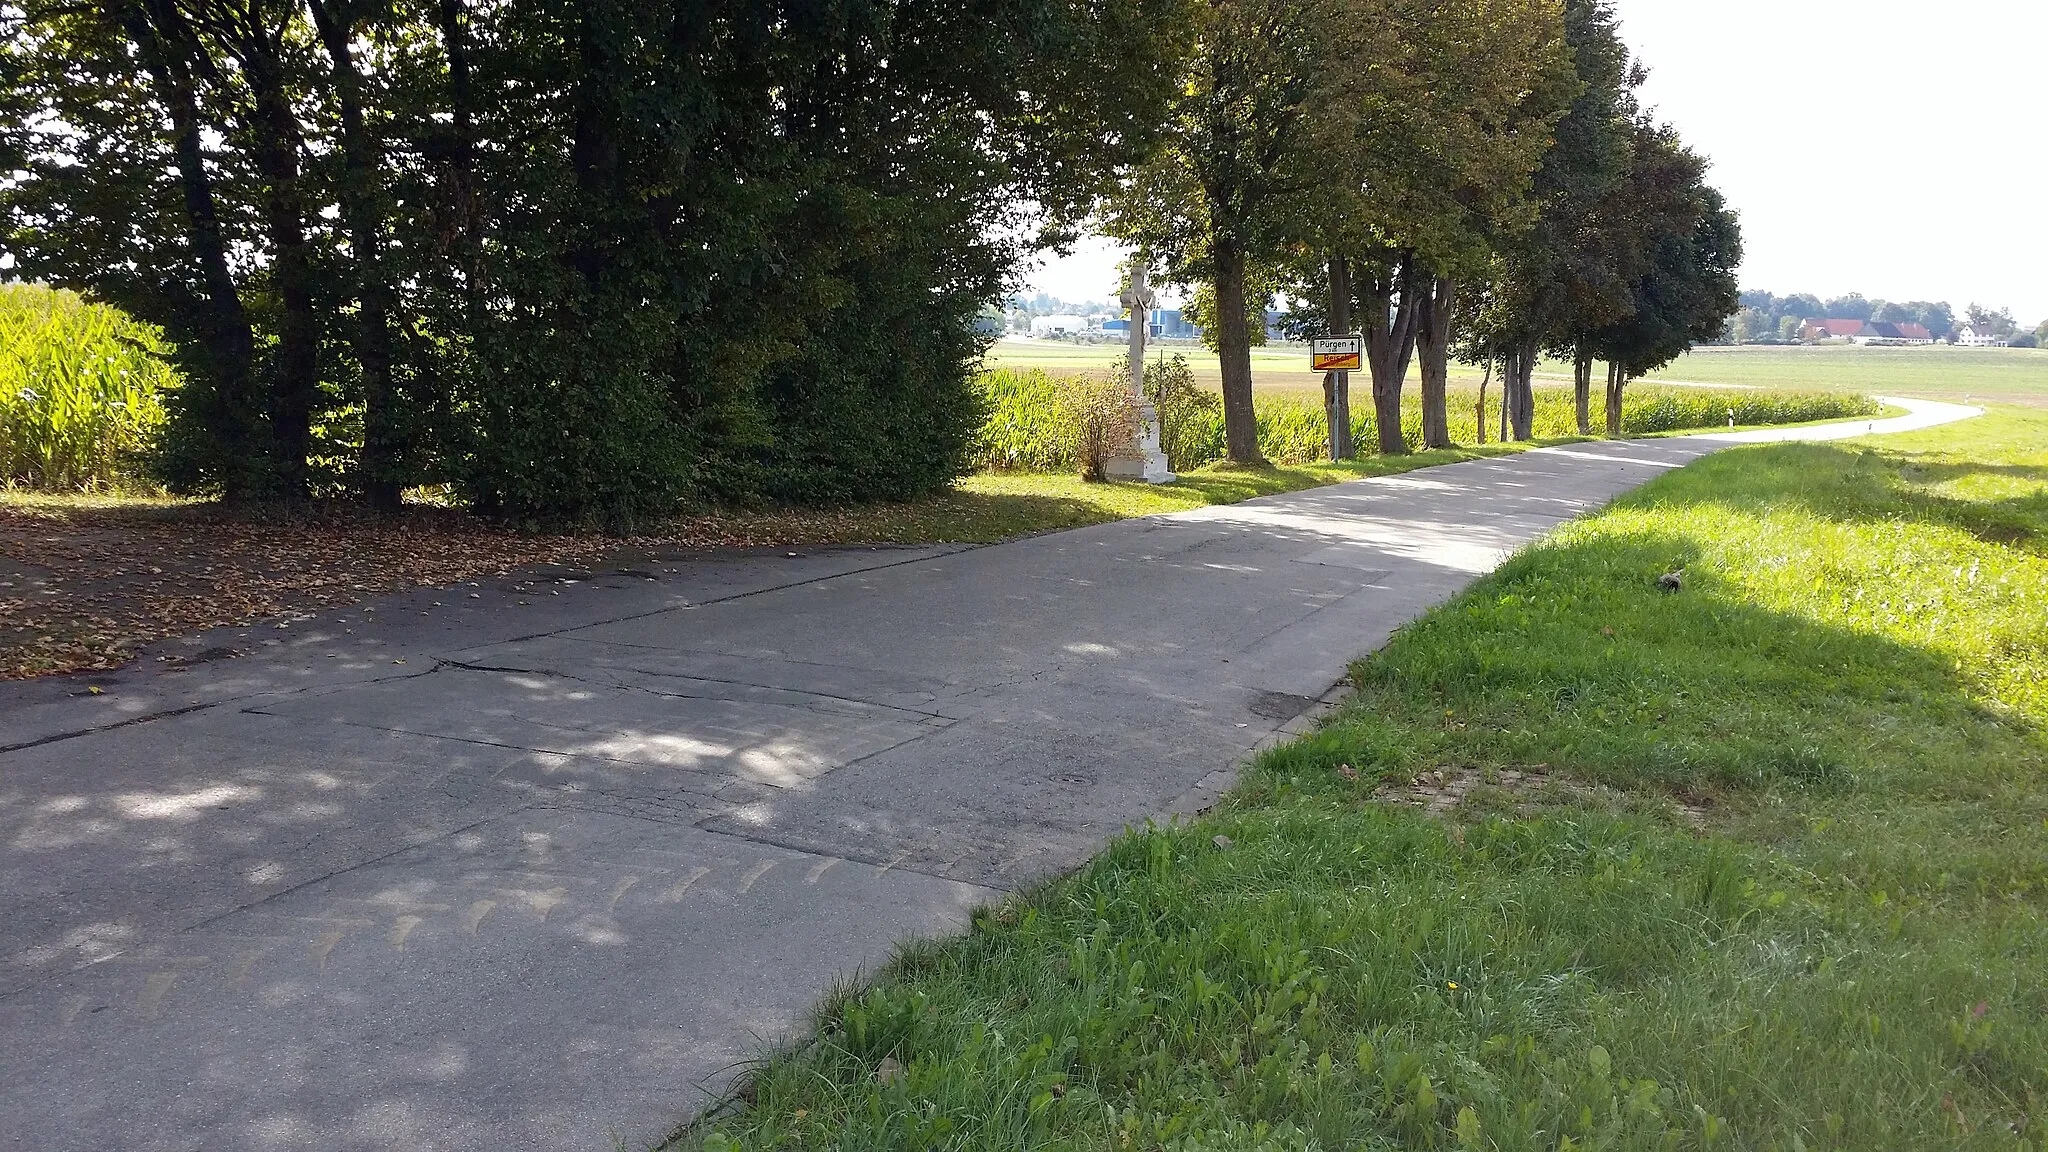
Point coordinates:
[(383, 440), (1582, 388), (1433, 337), (1479, 409), (594, 150), (1508, 392), (1234, 351), (1520, 388), (1337, 385), (461, 230), (1390, 324), (1617, 380), (297, 378), (234, 413)]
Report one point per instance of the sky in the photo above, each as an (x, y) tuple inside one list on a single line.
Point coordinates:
[(1895, 149)]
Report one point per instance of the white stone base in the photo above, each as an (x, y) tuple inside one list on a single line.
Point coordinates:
[(1147, 463), (1151, 468)]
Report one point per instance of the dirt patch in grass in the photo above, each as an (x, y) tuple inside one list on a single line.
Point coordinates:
[(1450, 792)]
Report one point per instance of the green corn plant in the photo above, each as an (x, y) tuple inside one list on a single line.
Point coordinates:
[(81, 391)]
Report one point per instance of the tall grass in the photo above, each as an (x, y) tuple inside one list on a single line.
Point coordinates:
[(1023, 430), (81, 390)]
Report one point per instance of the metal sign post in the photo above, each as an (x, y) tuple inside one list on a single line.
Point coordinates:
[(1340, 355)]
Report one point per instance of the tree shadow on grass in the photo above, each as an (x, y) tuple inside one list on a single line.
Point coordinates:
[(1853, 486), (1572, 659), (1937, 468)]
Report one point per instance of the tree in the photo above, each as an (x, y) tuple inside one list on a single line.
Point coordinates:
[(1241, 148), (1688, 246), (1934, 316), (1996, 321), (1430, 172), (1565, 278), (1804, 306), (1850, 307), (581, 259), (151, 223), (1450, 158)]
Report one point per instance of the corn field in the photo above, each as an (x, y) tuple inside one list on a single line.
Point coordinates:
[(1023, 427), (81, 391)]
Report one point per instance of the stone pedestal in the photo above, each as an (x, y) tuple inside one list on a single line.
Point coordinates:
[(1148, 462)]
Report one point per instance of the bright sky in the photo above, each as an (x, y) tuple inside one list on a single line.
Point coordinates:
[(1876, 146)]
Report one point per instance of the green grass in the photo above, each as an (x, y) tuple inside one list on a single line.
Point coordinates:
[(1848, 695)]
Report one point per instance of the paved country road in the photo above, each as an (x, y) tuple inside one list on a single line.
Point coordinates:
[(541, 864)]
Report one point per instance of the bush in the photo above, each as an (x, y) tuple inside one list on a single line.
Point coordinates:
[(1647, 410), (1100, 419), (81, 391), (1190, 416)]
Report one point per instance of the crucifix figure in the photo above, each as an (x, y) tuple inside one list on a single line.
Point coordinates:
[(1145, 461), (1138, 299)]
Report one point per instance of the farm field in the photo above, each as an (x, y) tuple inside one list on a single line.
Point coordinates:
[(2009, 375)]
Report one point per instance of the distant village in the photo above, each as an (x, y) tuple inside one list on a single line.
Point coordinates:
[(1046, 317), (1765, 319), (1855, 319)]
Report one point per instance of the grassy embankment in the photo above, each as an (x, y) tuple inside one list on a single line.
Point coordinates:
[(1782, 882)]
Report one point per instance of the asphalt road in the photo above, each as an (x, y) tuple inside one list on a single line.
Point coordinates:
[(543, 864)]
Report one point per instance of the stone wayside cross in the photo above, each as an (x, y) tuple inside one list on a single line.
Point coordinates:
[(1145, 461)]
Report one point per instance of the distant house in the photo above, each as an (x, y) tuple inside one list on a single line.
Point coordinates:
[(1878, 332), (1812, 330), (1058, 325), (1886, 333), (1973, 337)]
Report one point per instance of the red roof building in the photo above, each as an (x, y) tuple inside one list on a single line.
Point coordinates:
[(1865, 332), (1830, 329)]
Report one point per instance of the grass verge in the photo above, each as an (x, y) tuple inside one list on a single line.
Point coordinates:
[(1758, 864)]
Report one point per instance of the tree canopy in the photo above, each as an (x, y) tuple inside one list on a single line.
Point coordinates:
[(585, 260), (578, 258)]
